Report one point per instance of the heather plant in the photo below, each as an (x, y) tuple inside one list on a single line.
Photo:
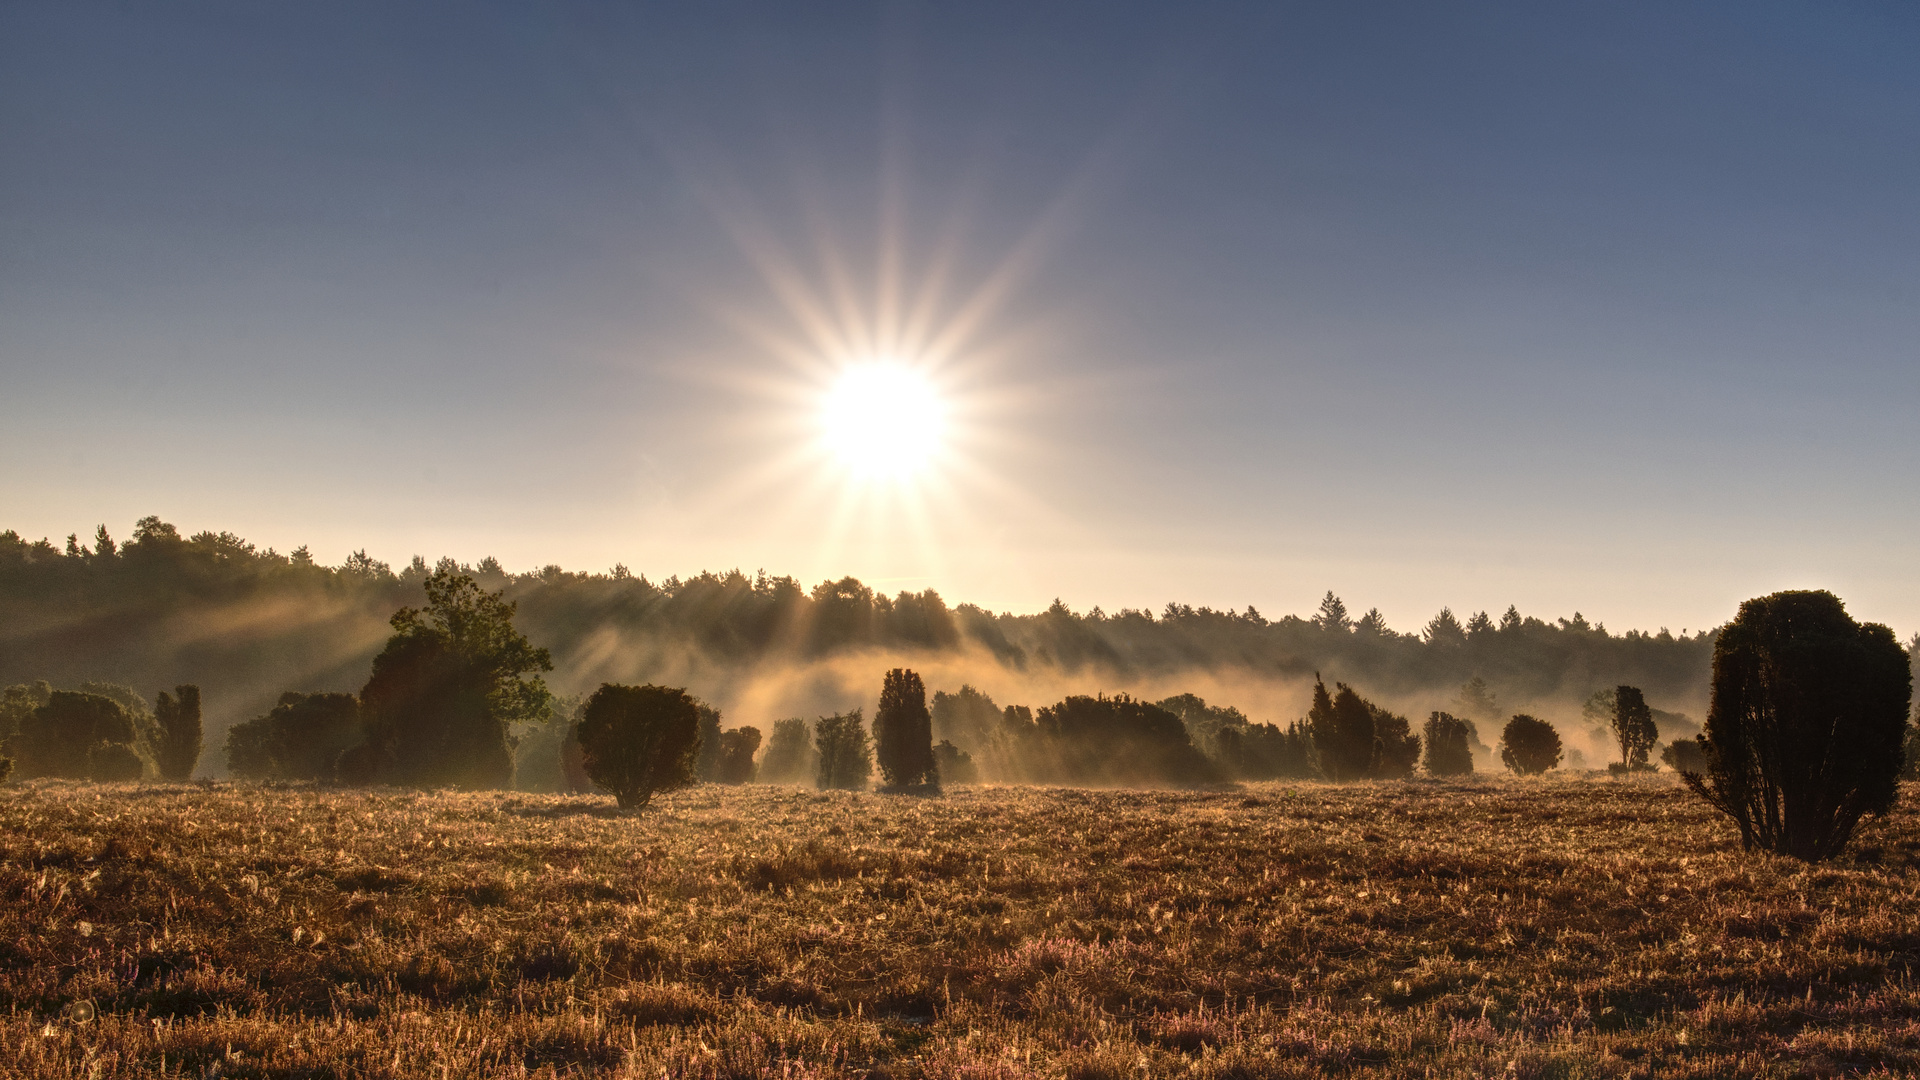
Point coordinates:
[(1529, 745), (737, 748), (639, 740), (903, 733), (790, 757), (1804, 731), (1633, 729), (844, 754), (1449, 745), (177, 749)]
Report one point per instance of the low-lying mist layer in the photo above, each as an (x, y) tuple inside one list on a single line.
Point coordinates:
[(247, 625), (1508, 927)]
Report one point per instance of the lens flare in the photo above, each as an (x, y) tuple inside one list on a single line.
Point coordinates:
[(883, 420)]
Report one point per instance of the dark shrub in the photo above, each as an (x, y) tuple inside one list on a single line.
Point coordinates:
[(1633, 728), (1396, 749), (1529, 745), (114, 761), (1805, 727), (903, 732), (1685, 755), (707, 765), (60, 737), (6, 769), (302, 738), (967, 718), (737, 748), (1449, 745), (790, 756), (845, 756), (1354, 739), (954, 764), (177, 748), (637, 740), (1112, 741)]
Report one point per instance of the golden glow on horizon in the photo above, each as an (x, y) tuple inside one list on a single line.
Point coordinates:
[(883, 420)]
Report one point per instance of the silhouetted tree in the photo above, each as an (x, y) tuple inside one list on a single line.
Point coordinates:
[(1396, 749), (1342, 728), (955, 765), (451, 679), (1449, 742), (1332, 615), (177, 748), (301, 739), (639, 740), (903, 732), (17, 704), (1805, 727), (737, 748), (1529, 745), (790, 757), (845, 754), (1633, 728), (707, 765)]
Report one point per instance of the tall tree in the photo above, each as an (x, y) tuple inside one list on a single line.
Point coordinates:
[(845, 754), (903, 732), (451, 679), (1333, 615), (1449, 745), (177, 749), (1633, 728), (737, 748), (1805, 725), (636, 741), (1342, 729)]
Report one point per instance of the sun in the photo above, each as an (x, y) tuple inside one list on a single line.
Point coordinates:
[(883, 420)]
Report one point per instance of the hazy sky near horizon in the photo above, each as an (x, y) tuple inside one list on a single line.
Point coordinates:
[(1600, 307)]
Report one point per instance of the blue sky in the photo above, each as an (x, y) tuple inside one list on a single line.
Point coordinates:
[(1608, 308)]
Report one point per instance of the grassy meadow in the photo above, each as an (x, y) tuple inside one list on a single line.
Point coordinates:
[(1563, 927)]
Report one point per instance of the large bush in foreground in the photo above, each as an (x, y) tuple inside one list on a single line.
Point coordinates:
[(1805, 727), (638, 740)]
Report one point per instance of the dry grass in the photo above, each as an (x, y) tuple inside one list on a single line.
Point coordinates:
[(1561, 928)]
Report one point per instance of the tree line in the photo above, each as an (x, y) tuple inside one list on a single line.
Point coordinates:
[(215, 610)]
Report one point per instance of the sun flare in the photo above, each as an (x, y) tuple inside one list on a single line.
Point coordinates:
[(883, 420)]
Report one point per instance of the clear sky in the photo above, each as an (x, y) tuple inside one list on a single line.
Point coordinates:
[(1610, 308)]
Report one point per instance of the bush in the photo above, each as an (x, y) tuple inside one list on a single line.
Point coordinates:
[(903, 733), (1449, 742), (706, 766), (110, 762), (1685, 755), (638, 740), (302, 738), (790, 756), (1633, 728), (61, 737), (954, 764), (1354, 739), (1805, 726), (1111, 742), (177, 748), (6, 769), (1529, 745), (737, 748), (845, 756)]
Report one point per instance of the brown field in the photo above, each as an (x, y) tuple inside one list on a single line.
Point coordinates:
[(1560, 928)]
